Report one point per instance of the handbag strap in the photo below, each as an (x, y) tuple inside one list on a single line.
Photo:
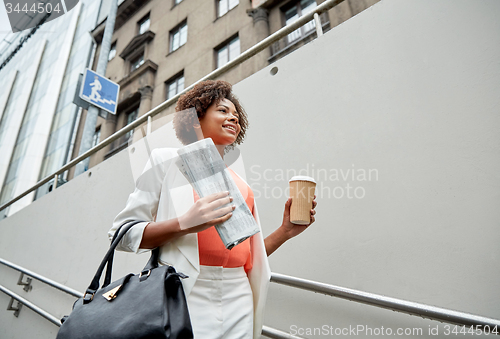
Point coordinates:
[(152, 263), (109, 265), (94, 285)]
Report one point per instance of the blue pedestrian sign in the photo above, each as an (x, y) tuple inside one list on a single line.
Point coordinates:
[(99, 91)]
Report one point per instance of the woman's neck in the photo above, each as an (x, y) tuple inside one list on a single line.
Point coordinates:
[(221, 148)]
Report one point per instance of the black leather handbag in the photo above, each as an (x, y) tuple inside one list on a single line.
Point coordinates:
[(149, 305)]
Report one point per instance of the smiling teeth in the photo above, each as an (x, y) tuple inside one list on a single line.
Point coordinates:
[(230, 127)]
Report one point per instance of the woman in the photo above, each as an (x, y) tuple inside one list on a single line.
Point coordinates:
[(226, 290)]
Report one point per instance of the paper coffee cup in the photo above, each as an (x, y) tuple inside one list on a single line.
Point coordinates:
[(302, 192)]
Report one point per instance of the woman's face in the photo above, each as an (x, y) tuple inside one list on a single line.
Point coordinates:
[(221, 123)]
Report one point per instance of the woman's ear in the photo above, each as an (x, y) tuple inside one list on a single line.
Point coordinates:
[(198, 131)]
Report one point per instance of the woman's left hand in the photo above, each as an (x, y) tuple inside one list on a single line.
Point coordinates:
[(292, 230)]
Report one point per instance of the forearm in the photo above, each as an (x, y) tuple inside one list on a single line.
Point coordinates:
[(275, 240), (159, 233), (199, 217)]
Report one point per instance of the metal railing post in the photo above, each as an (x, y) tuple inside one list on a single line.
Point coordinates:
[(41, 278), (317, 22), (31, 306)]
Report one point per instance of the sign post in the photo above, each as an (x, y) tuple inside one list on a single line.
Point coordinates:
[(91, 118)]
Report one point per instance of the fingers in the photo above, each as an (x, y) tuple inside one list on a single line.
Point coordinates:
[(313, 212), (221, 211), (215, 196), (217, 200), (220, 202), (313, 219), (221, 215), (222, 219)]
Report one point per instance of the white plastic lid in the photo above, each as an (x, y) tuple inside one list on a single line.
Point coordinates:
[(301, 178)]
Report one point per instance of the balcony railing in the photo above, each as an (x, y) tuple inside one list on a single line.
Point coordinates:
[(298, 38)]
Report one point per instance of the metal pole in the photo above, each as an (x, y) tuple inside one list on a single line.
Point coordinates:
[(93, 112), (317, 21)]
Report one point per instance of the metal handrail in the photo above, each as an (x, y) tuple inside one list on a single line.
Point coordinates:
[(277, 334), (325, 6), (412, 308), (266, 331), (32, 306), (41, 278), (399, 305)]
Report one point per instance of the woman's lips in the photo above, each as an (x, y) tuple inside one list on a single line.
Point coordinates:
[(229, 130)]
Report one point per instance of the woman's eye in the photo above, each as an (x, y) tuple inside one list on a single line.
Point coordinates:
[(226, 112)]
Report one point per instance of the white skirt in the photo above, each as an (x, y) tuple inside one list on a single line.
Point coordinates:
[(221, 304)]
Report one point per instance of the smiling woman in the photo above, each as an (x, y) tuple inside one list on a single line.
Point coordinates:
[(226, 289), (215, 99), (221, 124)]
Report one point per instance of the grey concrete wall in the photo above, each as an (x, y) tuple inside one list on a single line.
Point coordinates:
[(406, 89)]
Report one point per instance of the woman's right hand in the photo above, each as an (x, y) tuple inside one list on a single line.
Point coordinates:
[(206, 212)]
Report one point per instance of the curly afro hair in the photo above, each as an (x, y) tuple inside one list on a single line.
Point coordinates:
[(200, 98)]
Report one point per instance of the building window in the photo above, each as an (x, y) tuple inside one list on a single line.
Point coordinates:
[(112, 51), (292, 14), (144, 24), (131, 116), (97, 136), (175, 86), (136, 63), (178, 36), (228, 52), (224, 6)]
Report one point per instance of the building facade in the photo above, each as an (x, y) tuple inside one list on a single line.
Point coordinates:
[(160, 47), (37, 114)]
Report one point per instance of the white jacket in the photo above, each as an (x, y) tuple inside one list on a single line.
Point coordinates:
[(163, 193)]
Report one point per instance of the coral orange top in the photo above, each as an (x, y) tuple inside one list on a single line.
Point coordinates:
[(210, 246)]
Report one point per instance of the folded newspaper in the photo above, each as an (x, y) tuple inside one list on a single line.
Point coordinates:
[(203, 167)]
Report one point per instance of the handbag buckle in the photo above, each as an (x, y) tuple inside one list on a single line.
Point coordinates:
[(111, 294), (142, 277), (88, 297)]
